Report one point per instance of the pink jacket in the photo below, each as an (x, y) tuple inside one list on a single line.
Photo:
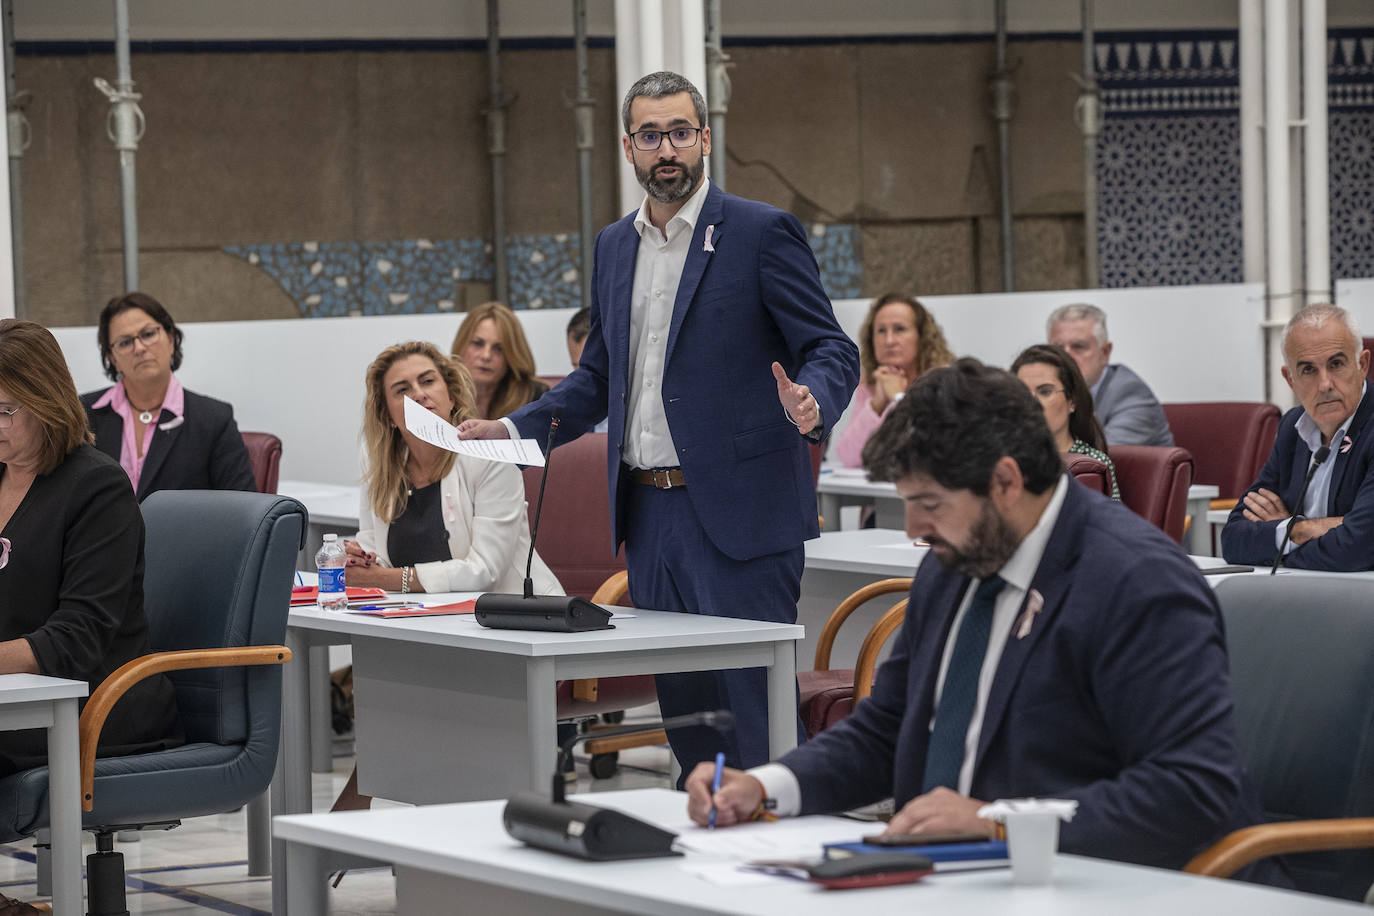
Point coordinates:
[(862, 421)]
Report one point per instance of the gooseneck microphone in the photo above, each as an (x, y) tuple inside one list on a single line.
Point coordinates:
[(560, 613), (1318, 457), (587, 831)]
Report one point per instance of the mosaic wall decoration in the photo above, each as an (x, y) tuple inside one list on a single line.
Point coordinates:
[(422, 275), (1168, 165)]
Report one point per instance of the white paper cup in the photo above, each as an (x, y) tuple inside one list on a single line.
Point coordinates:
[(1031, 842)]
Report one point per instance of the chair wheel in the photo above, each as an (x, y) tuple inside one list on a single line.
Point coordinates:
[(604, 766)]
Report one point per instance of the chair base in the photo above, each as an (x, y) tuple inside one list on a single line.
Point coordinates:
[(105, 869)]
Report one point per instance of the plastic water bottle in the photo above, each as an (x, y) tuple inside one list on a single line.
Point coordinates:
[(330, 562)]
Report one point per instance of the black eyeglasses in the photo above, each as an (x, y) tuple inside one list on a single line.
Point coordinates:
[(148, 336), (680, 137)]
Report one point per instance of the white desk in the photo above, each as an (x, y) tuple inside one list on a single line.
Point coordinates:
[(449, 853), (839, 487), (448, 710), (36, 701)]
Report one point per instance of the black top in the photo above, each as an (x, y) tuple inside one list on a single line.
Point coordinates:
[(418, 534), (203, 452), (73, 588)]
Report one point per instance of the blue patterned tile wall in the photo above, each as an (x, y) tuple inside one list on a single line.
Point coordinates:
[(422, 275), (1168, 165)]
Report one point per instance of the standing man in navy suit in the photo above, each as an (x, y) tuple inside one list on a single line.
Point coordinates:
[(1055, 645), (715, 356), (1333, 528)]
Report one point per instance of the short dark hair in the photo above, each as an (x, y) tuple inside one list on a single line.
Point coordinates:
[(660, 85), (1082, 421), (956, 423), (155, 311), (580, 325)]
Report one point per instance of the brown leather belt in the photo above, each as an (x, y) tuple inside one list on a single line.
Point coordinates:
[(662, 478)]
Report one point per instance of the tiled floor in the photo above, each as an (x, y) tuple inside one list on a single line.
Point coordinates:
[(200, 867)]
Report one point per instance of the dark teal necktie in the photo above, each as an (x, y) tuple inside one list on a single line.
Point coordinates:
[(945, 755)]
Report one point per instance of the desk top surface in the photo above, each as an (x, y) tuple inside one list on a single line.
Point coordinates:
[(645, 631), (468, 841), (327, 503), (843, 481), (28, 688)]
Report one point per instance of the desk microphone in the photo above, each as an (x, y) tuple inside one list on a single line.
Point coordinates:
[(587, 831), (561, 613), (1318, 457)]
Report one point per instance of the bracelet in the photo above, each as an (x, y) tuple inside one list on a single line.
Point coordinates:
[(405, 579), (763, 811), (1000, 832)]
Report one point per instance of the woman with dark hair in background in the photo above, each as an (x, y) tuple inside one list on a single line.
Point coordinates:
[(899, 342), (71, 556), (165, 437), (491, 345), (1053, 377)]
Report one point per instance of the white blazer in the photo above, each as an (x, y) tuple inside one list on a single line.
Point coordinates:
[(488, 533)]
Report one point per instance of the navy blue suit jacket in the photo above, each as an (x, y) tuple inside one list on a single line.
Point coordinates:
[(755, 299), (1350, 545), (1119, 697), (203, 452)]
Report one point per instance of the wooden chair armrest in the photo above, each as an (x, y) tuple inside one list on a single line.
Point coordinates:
[(848, 606), (867, 665), (614, 591), (1241, 847), (131, 672), (1227, 504)]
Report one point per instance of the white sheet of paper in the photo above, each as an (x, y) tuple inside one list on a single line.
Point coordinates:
[(433, 429), (788, 838)]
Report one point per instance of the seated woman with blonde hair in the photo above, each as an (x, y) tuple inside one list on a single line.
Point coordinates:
[(432, 520), (898, 342), (491, 345)]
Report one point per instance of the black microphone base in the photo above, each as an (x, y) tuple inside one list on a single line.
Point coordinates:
[(584, 831), (558, 613)]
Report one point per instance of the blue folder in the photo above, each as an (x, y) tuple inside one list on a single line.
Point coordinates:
[(975, 855)]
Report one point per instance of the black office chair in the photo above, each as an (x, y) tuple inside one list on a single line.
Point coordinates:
[(1302, 671), (217, 588)]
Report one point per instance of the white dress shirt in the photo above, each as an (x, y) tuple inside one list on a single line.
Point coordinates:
[(781, 784), (1319, 491)]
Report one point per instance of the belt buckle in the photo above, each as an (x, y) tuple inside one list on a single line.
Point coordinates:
[(667, 483)]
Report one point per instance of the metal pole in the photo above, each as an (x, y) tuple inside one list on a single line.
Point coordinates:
[(17, 129), (1278, 209), (496, 150), (586, 142), (1316, 188), (1003, 101), (717, 91), (127, 123), (1090, 120)]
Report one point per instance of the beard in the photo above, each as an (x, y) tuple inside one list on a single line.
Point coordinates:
[(991, 543), (679, 188)]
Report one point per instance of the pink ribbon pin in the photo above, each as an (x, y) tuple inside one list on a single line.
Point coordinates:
[(1035, 602), (4, 552), (709, 229), (1346, 444)]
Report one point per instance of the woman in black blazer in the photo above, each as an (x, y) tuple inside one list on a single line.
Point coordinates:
[(165, 437)]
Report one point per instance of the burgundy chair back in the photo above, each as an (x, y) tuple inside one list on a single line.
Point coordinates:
[(1369, 345), (1229, 441), (1154, 484), (264, 453), (575, 531), (1090, 472)]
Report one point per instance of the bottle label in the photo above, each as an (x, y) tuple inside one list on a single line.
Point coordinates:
[(331, 579)]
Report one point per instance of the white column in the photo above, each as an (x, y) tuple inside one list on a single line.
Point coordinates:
[(6, 239), (1277, 176), (628, 68), (1316, 188), (1252, 138), (685, 44)]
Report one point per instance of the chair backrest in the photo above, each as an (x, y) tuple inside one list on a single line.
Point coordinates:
[(1368, 343), (1301, 650), (1154, 482), (218, 571), (1090, 472), (575, 531), (1229, 441), (264, 452)]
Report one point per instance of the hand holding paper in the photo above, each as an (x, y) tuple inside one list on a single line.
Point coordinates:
[(433, 429)]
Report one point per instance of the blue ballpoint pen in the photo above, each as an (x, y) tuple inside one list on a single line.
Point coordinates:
[(715, 787)]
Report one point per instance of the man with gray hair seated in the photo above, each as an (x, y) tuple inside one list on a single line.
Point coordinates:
[(1331, 526), (1128, 410)]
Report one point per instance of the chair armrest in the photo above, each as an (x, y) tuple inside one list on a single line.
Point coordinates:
[(866, 667), (131, 672), (1227, 504), (1241, 847)]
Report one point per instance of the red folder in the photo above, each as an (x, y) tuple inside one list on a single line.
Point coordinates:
[(309, 594)]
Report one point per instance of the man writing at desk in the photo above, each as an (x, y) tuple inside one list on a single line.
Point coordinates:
[(1055, 645), (1333, 528)]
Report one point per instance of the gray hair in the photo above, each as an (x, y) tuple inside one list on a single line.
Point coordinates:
[(661, 84), (1316, 316), (1079, 311)]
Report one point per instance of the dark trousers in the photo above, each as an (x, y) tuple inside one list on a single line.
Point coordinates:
[(673, 566)]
